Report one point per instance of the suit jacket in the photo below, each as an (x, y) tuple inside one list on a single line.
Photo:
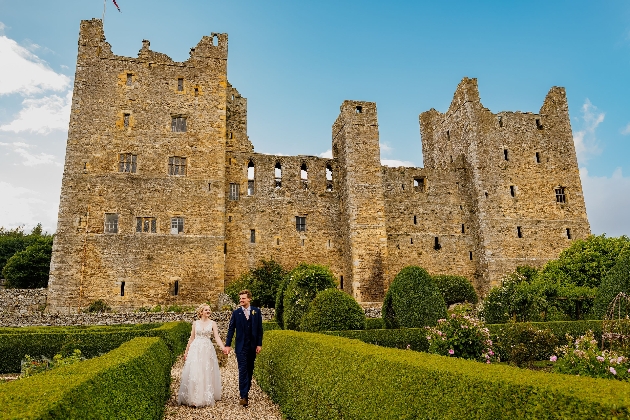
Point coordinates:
[(238, 323)]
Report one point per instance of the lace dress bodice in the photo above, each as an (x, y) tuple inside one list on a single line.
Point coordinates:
[(203, 331)]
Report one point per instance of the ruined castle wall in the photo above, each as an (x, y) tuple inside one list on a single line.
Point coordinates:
[(125, 105)]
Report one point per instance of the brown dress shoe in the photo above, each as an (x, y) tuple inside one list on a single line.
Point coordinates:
[(243, 402)]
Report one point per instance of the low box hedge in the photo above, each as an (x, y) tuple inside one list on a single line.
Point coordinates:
[(129, 382), (374, 323), (319, 376), (399, 338), (270, 326), (77, 328), (91, 342), (559, 328)]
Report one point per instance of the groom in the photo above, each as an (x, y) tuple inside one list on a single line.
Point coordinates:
[(247, 321)]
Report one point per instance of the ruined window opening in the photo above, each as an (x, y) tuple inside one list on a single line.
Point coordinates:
[(539, 124), (196, 91), (122, 288), (126, 120), (486, 193), (277, 173), (402, 186), (415, 219), (561, 196), (146, 225), (302, 242), (127, 163), (451, 158), (505, 154), (232, 96), (252, 236), (234, 190), (129, 79), (230, 135), (177, 166), (341, 282), (568, 233), (411, 241), (448, 135), (470, 255), (519, 232), (329, 178), (463, 228), (329, 243), (176, 288), (111, 223), (215, 40), (436, 244), (304, 176), (230, 219), (84, 166), (178, 124), (512, 190), (224, 248), (209, 186), (250, 177), (177, 225), (500, 121), (300, 223), (277, 241), (180, 84), (418, 184), (537, 157), (359, 109)]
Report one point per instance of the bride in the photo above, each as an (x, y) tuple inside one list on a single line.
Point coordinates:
[(201, 380)]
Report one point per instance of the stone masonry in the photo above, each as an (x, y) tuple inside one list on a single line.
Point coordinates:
[(164, 200)]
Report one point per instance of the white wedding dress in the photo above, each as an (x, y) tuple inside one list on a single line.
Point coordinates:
[(201, 380)]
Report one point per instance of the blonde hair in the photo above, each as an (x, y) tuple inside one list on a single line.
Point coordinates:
[(200, 309)]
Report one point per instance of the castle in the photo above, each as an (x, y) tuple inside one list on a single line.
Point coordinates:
[(164, 200)]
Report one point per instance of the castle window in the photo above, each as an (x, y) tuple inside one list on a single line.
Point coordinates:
[(224, 248), (329, 178), (486, 193), (277, 241), (568, 233), (302, 242), (111, 223), (300, 223), (122, 288), (505, 154), (177, 225), (341, 282), (180, 84), (359, 109), (230, 219), (176, 288), (277, 173), (129, 79), (252, 236), (250, 178), (230, 135), (436, 244), (196, 91), (304, 176), (418, 184), (519, 232), (448, 135), (539, 124), (463, 228), (126, 120), (561, 196), (512, 190), (415, 219), (470, 255), (127, 162), (500, 121), (178, 124), (411, 241), (177, 165), (537, 157), (146, 224), (234, 189)]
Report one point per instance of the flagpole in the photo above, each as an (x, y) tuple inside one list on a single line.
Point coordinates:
[(103, 19)]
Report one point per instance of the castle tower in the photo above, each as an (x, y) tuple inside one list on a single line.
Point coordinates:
[(142, 199), (521, 168), (363, 232)]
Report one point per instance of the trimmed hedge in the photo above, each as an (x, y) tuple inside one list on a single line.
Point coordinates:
[(305, 281), (270, 326), (455, 289), (77, 328), (559, 328), (316, 376), (374, 323), (415, 338), (92, 342), (333, 310), (130, 382)]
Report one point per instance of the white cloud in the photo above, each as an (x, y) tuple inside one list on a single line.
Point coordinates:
[(396, 163), (28, 158), (585, 140), (24, 73), (625, 131), (21, 207), (386, 148), (42, 115), (607, 202), (327, 154)]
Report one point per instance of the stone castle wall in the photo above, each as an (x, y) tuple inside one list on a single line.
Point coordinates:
[(484, 203)]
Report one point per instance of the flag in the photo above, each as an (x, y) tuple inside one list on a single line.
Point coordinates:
[(116, 4)]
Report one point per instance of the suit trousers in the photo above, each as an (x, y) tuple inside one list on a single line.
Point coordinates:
[(245, 360)]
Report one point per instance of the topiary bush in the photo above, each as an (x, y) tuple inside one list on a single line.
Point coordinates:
[(617, 280), (263, 281), (305, 281), (333, 310), (413, 300), (279, 308), (455, 289)]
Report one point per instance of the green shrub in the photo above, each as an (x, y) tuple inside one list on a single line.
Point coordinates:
[(316, 376), (263, 281), (29, 269), (305, 281), (97, 306), (333, 310), (279, 308), (455, 289), (15, 240), (129, 382), (270, 326), (460, 335), (617, 280), (522, 343), (413, 300), (31, 366), (402, 338), (374, 323)]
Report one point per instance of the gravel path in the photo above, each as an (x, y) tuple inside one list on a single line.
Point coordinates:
[(260, 405)]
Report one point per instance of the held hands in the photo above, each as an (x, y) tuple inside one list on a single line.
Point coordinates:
[(226, 350), (258, 349)]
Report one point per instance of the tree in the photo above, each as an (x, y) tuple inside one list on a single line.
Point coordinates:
[(15, 240), (263, 281), (29, 269), (333, 310), (617, 280), (455, 289)]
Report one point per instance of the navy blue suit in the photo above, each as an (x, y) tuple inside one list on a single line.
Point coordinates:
[(249, 334)]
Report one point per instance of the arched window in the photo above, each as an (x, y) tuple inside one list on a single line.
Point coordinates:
[(277, 173), (250, 178), (329, 177), (304, 176)]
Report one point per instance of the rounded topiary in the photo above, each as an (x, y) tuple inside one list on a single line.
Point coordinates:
[(304, 282), (455, 289), (413, 300), (333, 310), (617, 280)]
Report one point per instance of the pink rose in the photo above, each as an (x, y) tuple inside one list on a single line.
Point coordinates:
[(600, 358), (612, 370), (451, 351), (553, 358)]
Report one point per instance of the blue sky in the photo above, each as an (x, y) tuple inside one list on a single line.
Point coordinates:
[(297, 61)]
